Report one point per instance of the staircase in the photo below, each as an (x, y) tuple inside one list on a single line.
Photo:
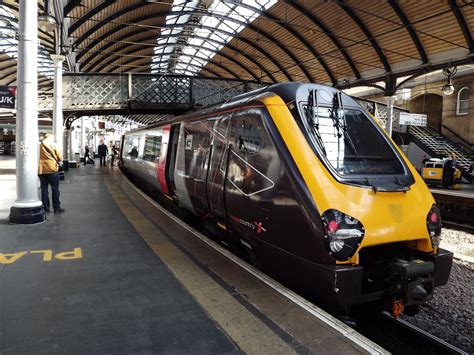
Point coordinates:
[(438, 146)]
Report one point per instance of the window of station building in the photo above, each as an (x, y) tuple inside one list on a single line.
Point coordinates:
[(462, 107), (152, 147)]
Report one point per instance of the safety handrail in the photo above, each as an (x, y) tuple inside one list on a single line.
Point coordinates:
[(464, 141)]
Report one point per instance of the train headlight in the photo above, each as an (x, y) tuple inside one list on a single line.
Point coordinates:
[(433, 222), (343, 234)]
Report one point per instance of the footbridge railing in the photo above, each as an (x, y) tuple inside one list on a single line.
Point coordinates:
[(125, 93)]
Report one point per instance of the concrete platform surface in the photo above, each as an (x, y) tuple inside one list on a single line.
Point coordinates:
[(117, 274)]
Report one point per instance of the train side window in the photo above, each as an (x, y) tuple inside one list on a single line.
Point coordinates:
[(248, 140), (221, 131), (128, 145), (152, 147), (253, 162)]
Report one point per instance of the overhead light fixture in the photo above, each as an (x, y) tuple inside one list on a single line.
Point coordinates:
[(449, 72), (46, 21)]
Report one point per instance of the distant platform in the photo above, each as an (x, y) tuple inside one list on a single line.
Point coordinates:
[(456, 205)]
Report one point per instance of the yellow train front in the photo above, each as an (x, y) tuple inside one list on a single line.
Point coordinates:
[(380, 225), (307, 183)]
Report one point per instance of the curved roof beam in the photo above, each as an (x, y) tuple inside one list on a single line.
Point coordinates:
[(298, 36), (70, 6), (367, 33), (328, 33), (141, 67), (7, 74), (193, 46), (48, 35), (143, 45), (409, 27), (101, 23), (111, 62), (13, 65), (144, 18), (196, 66), (90, 14), (462, 23), (7, 59), (132, 60), (237, 50)]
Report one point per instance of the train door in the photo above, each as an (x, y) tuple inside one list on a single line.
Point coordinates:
[(253, 169), (161, 151), (217, 167), (171, 158), (192, 163)]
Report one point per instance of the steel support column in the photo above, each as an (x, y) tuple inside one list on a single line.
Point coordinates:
[(66, 153), (27, 208), (58, 99), (390, 101), (82, 151)]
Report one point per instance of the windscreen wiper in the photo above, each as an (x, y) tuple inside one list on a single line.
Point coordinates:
[(337, 104), (312, 115)]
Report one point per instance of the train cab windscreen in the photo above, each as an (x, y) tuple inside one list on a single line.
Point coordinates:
[(352, 147)]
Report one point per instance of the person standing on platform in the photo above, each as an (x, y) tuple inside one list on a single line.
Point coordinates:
[(86, 154), (114, 154), (48, 171), (103, 151)]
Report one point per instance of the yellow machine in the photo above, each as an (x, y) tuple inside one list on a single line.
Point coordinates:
[(438, 172)]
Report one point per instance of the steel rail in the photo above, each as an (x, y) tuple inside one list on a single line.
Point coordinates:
[(444, 345)]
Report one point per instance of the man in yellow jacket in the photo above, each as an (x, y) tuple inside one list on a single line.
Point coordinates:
[(48, 172)]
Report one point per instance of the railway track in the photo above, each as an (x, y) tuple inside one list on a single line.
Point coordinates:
[(401, 337), (439, 345), (459, 225)]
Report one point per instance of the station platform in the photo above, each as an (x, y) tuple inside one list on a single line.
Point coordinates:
[(456, 205), (116, 273)]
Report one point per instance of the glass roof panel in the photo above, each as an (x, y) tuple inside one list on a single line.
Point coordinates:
[(213, 23)]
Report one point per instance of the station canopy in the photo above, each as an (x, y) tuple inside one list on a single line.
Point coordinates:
[(343, 43)]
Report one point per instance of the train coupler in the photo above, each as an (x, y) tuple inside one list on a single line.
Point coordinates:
[(409, 283)]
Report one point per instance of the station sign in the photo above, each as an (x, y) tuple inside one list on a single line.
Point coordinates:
[(414, 119), (7, 96)]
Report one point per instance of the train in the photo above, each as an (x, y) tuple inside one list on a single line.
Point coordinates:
[(307, 184)]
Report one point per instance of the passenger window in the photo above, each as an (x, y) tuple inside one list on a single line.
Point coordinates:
[(152, 147), (248, 136), (221, 129), (128, 145), (253, 162)]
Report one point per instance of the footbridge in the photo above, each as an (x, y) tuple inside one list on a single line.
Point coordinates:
[(138, 94)]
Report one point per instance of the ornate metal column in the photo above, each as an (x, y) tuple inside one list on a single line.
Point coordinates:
[(27, 208), (58, 98), (390, 101), (65, 143)]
